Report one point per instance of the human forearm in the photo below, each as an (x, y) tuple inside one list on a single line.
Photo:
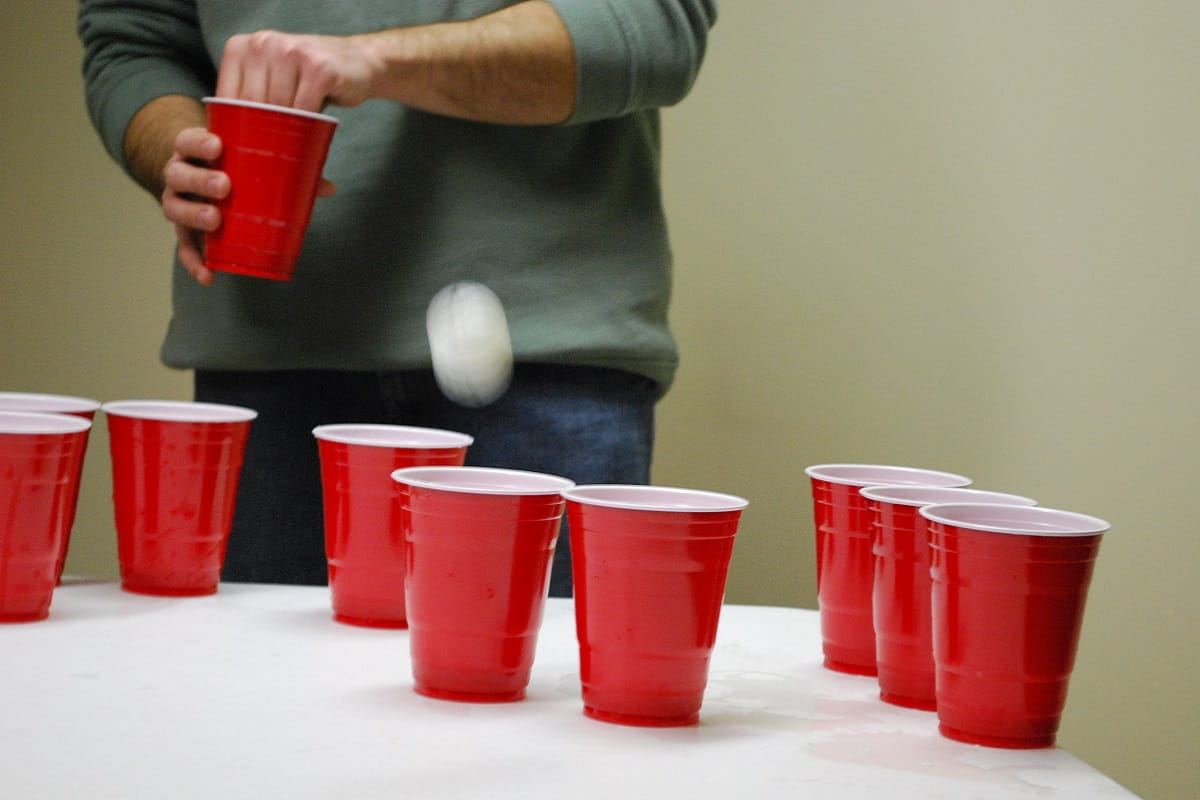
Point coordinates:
[(150, 137), (514, 66)]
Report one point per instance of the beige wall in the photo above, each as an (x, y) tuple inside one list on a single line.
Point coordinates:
[(949, 234)]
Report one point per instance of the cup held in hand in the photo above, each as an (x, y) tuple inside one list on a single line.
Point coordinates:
[(274, 157)]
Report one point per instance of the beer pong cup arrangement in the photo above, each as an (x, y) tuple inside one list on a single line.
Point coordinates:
[(57, 404), (40, 456), (649, 566), (175, 471), (364, 541), (901, 588), (1009, 588), (479, 544), (845, 565), (274, 157), (965, 602)]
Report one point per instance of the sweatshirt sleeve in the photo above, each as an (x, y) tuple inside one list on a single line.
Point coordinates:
[(634, 54), (135, 52)]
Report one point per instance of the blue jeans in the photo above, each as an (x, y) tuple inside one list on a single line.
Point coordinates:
[(587, 424)]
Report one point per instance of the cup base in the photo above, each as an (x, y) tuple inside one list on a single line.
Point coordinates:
[(639, 721), (469, 697), (19, 618), (1007, 743), (919, 703), (371, 622), (156, 591), (849, 668), (243, 269)]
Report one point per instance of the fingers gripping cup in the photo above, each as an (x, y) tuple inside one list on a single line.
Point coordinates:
[(478, 546), (649, 566), (40, 456), (175, 468), (901, 587), (1009, 588), (57, 404), (273, 156), (845, 569), (364, 542)]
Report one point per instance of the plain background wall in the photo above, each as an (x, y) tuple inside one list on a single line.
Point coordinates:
[(960, 235)]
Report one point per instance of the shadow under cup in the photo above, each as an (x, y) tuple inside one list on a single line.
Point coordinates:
[(649, 566), (40, 456), (1009, 588), (364, 541), (176, 468)]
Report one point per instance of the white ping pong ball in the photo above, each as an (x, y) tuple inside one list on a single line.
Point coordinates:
[(469, 343)]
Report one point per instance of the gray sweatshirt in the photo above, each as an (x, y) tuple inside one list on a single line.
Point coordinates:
[(565, 222)]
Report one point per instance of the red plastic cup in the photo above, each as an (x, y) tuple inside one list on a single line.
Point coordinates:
[(649, 566), (175, 468), (40, 456), (845, 565), (364, 543), (57, 404), (1009, 588), (902, 586), (478, 546), (273, 156)]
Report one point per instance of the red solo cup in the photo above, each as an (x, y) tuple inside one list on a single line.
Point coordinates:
[(845, 565), (649, 566), (40, 456), (363, 540), (901, 590), (273, 156), (1009, 588), (175, 468), (57, 404), (478, 547)]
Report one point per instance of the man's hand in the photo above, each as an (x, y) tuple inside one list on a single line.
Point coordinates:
[(300, 71), (190, 187), (168, 150)]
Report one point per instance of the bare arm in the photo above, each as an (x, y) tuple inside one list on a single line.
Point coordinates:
[(165, 144), (150, 137), (515, 66)]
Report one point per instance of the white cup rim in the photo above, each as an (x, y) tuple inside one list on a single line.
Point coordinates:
[(880, 474), (34, 422), (46, 403), (1014, 520), (178, 411), (380, 435), (638, 497), (482, 480), (229, 101), (910, 495)]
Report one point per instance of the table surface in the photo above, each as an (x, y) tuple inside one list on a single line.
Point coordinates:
[(256, 692)]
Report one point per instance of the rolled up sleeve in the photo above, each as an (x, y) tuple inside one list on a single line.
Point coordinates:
[(634, 54), (135, 52)]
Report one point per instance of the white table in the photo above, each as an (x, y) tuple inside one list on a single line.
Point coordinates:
[(256, 692)]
